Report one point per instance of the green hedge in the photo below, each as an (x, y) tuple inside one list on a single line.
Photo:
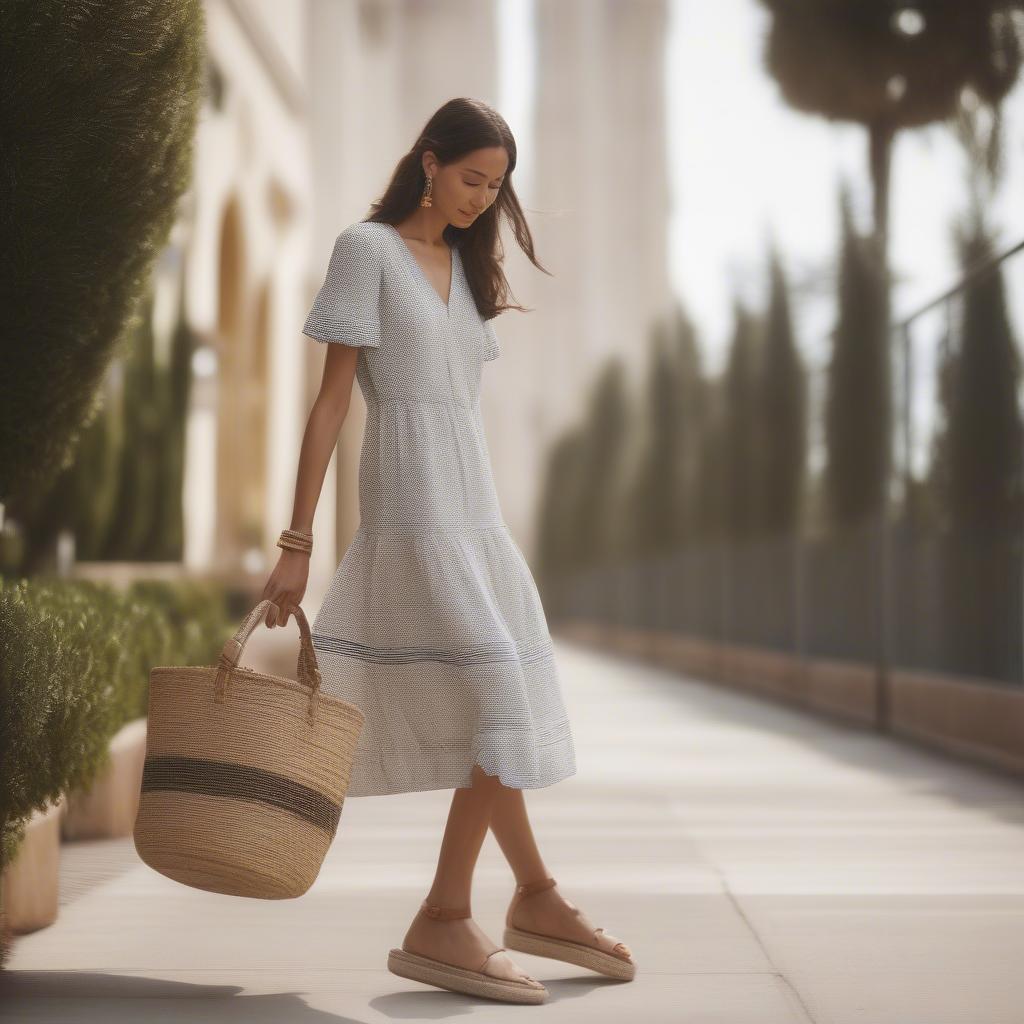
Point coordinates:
[(74, 667)]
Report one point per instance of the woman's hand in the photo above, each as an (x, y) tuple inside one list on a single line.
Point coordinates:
[(286, 586)]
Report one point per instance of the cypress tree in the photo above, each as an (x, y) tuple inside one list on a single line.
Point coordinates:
[(857, 404), (166, 540), (142, 411), (605, 442), (655, 495), (978, 469), (783, 413), (741, 427)]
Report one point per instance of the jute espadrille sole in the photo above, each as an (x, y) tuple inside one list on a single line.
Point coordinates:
[(461, 979), (571, 952)]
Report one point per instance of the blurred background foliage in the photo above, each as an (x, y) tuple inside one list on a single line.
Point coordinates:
[(98, 121), (724, 530)]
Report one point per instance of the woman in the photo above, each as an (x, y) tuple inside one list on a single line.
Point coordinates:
[(433, 625)]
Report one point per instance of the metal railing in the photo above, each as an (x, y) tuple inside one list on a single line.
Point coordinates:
[(892, 593)]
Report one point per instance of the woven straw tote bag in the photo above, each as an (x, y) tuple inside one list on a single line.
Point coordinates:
[(245, 773)]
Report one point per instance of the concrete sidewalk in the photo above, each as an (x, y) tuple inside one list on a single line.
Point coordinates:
[(765, 867)]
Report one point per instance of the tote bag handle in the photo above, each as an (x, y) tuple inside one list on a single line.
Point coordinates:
[(307, 668)]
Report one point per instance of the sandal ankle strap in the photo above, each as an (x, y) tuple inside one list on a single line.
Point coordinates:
[(528, 888), (433, 911)]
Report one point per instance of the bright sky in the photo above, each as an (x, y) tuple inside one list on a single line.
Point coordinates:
[(745, 165), (745, 168)]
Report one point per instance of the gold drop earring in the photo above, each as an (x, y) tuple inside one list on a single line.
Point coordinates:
[(425, 199)]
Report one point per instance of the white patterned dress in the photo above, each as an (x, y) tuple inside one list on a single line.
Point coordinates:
[(432, 625)]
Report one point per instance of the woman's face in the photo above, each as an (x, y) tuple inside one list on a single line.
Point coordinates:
[(466, 188)]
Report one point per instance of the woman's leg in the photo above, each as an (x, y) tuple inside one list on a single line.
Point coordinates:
[(547, 912), (461, 940), (511, 827), (468, 818)]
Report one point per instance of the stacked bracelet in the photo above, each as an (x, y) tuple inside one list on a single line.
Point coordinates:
[(296, 540)]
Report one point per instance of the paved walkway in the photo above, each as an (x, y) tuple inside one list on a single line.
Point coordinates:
[(765, 866)]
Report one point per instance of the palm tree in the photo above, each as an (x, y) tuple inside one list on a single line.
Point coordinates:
[(889, 65)]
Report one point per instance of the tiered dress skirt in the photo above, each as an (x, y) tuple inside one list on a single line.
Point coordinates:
[(432, 625)]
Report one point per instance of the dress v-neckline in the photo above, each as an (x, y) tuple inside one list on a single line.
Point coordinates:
[(454, 255)]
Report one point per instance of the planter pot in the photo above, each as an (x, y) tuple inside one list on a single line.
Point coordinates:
[(31, 882), (107, 809)]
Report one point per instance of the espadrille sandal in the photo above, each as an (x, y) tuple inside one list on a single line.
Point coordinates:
[(462, 979), (593, 956)]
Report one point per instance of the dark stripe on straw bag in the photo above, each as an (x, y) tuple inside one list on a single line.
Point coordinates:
[(222, 778)]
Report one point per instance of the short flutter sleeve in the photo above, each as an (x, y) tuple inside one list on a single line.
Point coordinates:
[(491, 347), (347, 307)]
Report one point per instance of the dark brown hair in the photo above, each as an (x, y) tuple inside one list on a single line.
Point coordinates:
[(461, 126)]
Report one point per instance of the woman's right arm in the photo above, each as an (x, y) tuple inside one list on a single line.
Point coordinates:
[(287, 583)]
